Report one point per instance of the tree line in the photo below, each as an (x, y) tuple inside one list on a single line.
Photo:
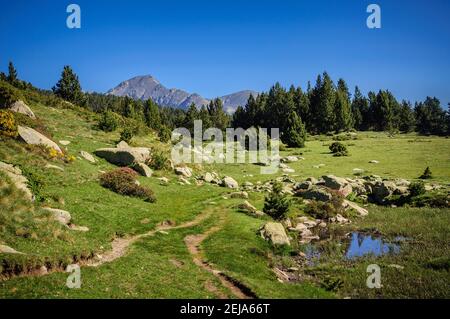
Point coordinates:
[(326, 107)]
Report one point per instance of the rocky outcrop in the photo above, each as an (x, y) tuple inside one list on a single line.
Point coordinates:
[(61, 216), (21, 107), (30, 136), (275, 234), (319, 194), (338, 183), (19, 181)]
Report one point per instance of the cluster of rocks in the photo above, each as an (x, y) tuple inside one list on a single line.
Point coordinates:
[(213, 178)]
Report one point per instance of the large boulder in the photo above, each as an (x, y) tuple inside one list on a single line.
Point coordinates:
[(183, 171), (382, 190), (30, 136), (275, 233), (16, 177), (338, 183), (316, 193), (8, 250), (124, 156), (229, 182), (21, 107)]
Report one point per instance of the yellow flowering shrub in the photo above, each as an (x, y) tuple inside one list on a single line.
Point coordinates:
[(8, 126)]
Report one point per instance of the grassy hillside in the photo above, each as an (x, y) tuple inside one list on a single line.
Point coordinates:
[(160, 265)]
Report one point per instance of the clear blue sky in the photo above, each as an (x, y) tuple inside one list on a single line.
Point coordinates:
[(221, 46)]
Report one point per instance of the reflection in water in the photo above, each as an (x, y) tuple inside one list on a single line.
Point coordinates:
[(362, 244)]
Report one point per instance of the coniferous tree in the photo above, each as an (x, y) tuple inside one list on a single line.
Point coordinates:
[(12, 74), (68, 87), (406, 117), (322, 104), (342, 109), (192, 114), (151, 114), (204, 117), (430, 117), (384, 111), (360, 108), (219, 118), (295, 133)]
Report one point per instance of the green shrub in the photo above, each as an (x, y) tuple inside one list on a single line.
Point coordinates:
[(427, 174), (326, 210), (338, 149), (123, 181), (159, 161), (127, 134), (8, 126), (109, 121), (165, 134), (276, 204), (416, 189), (8, 95)]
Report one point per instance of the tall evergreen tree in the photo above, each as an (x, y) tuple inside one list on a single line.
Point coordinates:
[(295, 132), (342, 109), (406, 117), (192, 114), (322, 104), (360, 108), (204, 117), (384, 111), (12, 74), (68, 87), (151, 114), (430, 117), (219, 118)]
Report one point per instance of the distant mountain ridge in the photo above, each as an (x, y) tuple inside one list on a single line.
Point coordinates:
[(145, 87)]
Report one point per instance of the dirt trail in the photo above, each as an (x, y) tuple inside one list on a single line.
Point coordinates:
[(193, 243), (120, 245)]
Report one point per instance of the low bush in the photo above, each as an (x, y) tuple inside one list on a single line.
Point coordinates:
[(127, 134), (277, 204), (159, 161), (123, 181), (8, 126), (326, 210), (338, 149), (109, 121), (165, 134), (8, 95), (416, 189), (427, 174)]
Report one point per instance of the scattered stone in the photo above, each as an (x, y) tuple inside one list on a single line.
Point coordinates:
[(30, 136), (208, 177), (42, 271), (338, 183), (229, 182), (21, 107), (242, 194), (88, 157), (288, 170), (54, 167), (361, 211), (396, 266), (184, 181), (8, 250), (164, 180), (61, 216), (143, 169), (64, 142), (79, 228), (306, 185), (358, 171), (289, 159), (183, 170), (381, 190), (275, 233), (339, 219), (312, 180), (374, 162), (18, 180)]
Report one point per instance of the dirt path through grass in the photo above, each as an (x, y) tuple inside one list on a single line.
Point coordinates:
[(193, 243)]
